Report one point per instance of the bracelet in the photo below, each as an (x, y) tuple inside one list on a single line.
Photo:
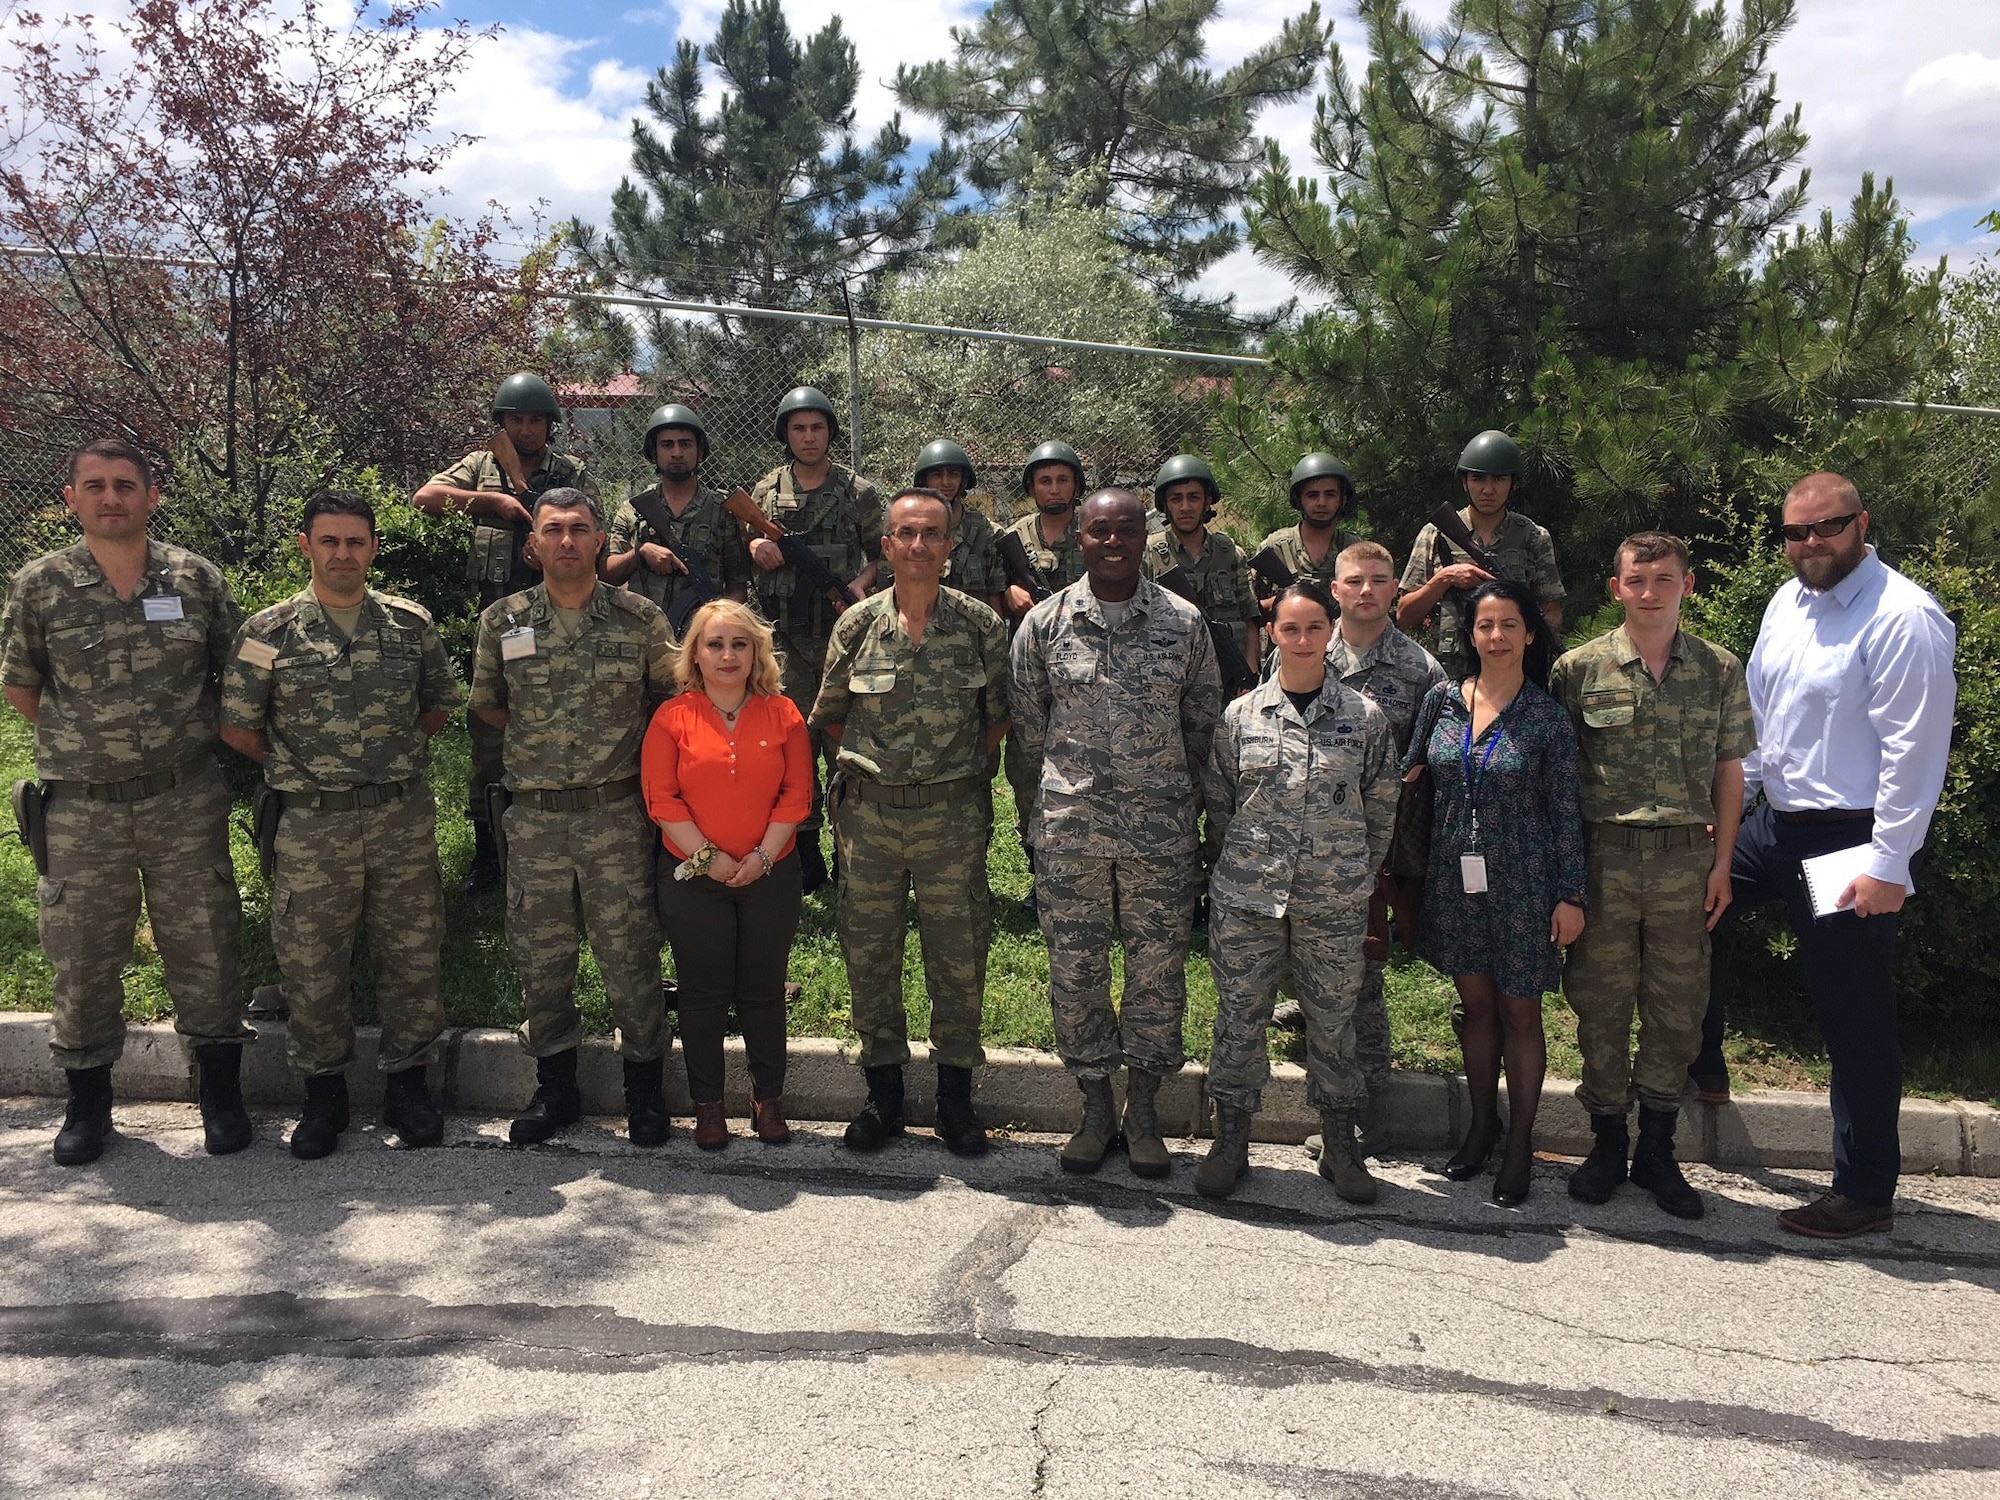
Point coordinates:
[(696, 863), (769, 863)]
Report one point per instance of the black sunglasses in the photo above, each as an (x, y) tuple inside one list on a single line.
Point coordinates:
[(1832, 526)]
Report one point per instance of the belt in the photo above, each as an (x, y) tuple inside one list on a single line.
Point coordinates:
[(579, 798), (1823, 814), (348, 800), (922, 794), (132, 789), (1638, 836)]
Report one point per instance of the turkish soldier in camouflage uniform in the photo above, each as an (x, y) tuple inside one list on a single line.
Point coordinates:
[(1322, 492), (336, 692), (571, 671), (113, 649), (1440, 577), (840, 515), (1663, 724), (498, 564), (1053, 480), (974, 565), (1185, 492), (915, 696), (1302, 785), (1115, 697), (697, 524)]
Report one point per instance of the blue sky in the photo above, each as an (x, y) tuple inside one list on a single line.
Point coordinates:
[(1908, 89)]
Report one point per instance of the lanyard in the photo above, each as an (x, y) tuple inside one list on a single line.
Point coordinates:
[(1474, 779)]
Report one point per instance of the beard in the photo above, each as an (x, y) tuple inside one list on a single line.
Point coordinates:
[(1824, 572), (677, 472)]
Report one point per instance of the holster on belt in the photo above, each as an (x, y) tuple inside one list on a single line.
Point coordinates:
[(266, 807), (31, 804), (497, 800)]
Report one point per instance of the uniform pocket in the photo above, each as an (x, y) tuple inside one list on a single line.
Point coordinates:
[(870, 682), (49, 891), (1608, 708), (77, 656)]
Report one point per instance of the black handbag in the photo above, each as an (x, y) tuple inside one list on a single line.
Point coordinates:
[(1409, 858)]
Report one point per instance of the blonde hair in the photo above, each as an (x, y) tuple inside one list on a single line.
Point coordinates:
[(765, 678), (1361, 552)]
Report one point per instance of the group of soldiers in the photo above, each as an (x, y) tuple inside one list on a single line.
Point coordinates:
[(917, 638)]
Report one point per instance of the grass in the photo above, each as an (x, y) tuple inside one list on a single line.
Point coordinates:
[(1773, 1041)]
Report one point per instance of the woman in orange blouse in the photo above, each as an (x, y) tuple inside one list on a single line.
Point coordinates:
[(728, 774)]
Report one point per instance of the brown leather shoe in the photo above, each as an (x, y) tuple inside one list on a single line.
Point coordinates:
[(767, 1118), (1833, 1217), (711, 1126)]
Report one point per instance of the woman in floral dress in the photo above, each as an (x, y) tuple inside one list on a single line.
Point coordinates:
[(1505, 890)]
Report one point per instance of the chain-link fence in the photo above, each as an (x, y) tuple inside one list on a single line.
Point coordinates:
[(1953, 477)]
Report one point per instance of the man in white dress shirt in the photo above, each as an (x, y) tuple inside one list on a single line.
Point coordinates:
[(1852, 687)]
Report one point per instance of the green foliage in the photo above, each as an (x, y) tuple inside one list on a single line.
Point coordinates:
[(1054, 269), (1947, 963), (1567, 219), (1116, 91)]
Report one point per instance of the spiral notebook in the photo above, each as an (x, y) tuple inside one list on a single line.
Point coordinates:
[(1827, 875)]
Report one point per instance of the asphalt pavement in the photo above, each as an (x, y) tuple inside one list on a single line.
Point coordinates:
[(586, 1319)]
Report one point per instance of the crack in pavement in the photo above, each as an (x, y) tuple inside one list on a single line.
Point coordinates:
[(1043, 1451), (587, 1339)]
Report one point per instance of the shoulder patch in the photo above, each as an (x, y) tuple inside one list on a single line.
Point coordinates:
[(276, 616), (407, 606), (634, 604)]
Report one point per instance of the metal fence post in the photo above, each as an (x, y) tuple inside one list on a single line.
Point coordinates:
[(853, 380)]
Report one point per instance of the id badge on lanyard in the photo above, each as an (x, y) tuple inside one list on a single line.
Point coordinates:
[(1472, 864)]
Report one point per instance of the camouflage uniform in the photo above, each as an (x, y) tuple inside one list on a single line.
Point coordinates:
[(1648, 752), (705, 530), (1393, 674), (494, 567), (1526, 553), (124, 744), (1291, 546), (842, 521), (913, 807), (357, 841), (974, 565), (1116, 724), (1058, 567), (1223, 588), (577, 832), (1304, 804)]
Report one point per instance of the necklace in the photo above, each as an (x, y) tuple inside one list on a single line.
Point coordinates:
[(730, 715)]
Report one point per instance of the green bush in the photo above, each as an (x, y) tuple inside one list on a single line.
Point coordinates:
[(1947, 962)]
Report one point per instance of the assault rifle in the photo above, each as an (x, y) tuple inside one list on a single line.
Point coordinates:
[(1019, 569), (1237, 678), (1273, 577), (1451, 527), (699, 585), (814, 576)]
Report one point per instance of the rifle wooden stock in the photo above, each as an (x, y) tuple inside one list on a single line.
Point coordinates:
[(1020, 571), (813, 575), (1453, 529), (509, 458)]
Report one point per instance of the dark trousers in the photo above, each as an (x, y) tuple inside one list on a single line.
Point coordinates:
[(1849, 963), (730, 950)]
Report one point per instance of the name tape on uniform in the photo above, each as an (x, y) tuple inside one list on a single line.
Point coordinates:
[(517, 643), (162, 607)]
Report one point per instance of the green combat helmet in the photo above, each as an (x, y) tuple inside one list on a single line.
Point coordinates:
[(1322, 466), (1492, 452), (1176, 470), (1052, 453), (807, 398), (675, 415), (943, 453), (525, 392)]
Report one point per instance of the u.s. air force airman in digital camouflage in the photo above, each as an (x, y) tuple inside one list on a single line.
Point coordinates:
[(526, 412), (570, 671), (669, 539), (1663, 724), (1115, 697), (840, 516), (916, 698), (114, 648), (337, 692), (1302, 785)]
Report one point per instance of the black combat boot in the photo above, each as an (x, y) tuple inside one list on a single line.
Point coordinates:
[(557, 1105), (485, 873), (319, 1128), (812, 862), (1084, 1151), (1601, 1172), (407, 1108), (225, 1124), (881, 1118), (646, 1122), (87, 1121), (1655, 1170), (958, 1123), (1228, 1159)]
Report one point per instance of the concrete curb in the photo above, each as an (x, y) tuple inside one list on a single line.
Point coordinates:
[(485, 1071)]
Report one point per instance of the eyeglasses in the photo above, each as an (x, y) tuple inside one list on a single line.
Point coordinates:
[(1832, 526), (908, 534)]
